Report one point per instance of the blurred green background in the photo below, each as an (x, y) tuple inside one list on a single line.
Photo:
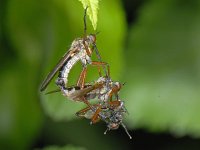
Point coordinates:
[(152, 45)]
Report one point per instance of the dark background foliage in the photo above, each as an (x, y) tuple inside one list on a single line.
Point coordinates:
[(151, 45)]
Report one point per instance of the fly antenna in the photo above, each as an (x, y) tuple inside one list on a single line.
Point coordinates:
[(126, 130)]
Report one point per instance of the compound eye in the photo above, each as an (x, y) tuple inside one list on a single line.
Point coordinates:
[(92, 38), (118, 84)]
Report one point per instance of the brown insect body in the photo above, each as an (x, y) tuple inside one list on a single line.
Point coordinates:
[(112, 114), (103, 89), (79, 53), (75, 53)]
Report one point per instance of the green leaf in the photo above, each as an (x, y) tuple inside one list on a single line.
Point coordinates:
[(20, 114), (92, 11), (163, 68)]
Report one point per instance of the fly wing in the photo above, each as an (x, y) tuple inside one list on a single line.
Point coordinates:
[(69, 88), (51, 74), (82, 92), (87, 112)]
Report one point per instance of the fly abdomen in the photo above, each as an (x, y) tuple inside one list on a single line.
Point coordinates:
[(64, 72)]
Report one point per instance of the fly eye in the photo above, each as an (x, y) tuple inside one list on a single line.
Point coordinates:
[(92, 38)]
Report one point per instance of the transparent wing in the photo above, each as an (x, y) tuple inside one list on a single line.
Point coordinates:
[(67, 56), (87, 89)]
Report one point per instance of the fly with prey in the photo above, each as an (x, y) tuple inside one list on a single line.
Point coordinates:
[(103, 89)]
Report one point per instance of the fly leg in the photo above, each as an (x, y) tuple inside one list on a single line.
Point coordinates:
[(83, 112), (81, 80), (100, 64), (93, 114), (84, 100), (95, 117), (114, 104), (114, 91), (103, 64)]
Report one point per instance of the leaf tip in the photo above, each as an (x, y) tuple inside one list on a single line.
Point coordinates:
[(92, 11)]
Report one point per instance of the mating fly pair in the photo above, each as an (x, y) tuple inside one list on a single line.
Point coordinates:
[(103, 89), (81, 50), (107, 110)]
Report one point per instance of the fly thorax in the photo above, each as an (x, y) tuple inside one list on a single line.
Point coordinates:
[(83, 57), (89, 44)]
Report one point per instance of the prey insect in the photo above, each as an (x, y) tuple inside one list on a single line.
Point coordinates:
[(81, 50), (107, 110), (112, 114)]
